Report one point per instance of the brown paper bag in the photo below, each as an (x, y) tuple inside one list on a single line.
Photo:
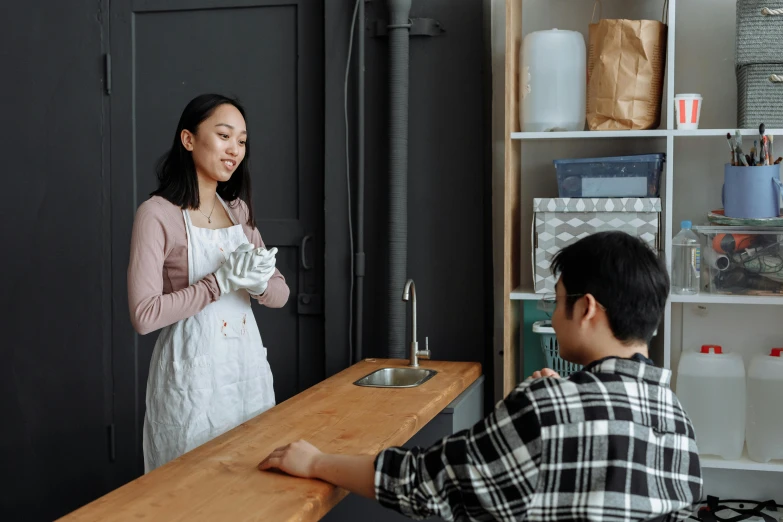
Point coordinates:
[(625, 68)]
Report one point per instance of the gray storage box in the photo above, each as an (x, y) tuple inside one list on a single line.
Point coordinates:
[(558, 222), (759, 32), (760, 95)]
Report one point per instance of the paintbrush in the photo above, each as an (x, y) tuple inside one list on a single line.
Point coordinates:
[(771, 152), (764, 156), (730, 141), (742, 160)]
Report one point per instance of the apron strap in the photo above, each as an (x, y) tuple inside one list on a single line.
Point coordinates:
[(189, 239), (228, 210)]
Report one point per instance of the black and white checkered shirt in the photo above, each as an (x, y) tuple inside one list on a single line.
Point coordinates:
[(611, 442)]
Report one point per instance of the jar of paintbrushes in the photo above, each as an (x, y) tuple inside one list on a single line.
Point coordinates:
[(751, 181)]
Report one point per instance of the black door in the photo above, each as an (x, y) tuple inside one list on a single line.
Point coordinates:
[(269, 54), (55, 330)]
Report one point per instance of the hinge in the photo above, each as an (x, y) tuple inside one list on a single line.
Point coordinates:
[(107, 73), (112, 443)]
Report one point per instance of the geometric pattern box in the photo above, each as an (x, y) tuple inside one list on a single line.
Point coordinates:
[(558, 222)]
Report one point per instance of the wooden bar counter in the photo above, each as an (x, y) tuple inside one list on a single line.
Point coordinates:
[(219, 481)]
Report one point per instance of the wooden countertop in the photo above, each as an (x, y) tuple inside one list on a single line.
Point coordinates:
[(219, 480)]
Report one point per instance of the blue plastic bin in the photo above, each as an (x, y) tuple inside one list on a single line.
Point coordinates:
[(614, 177)]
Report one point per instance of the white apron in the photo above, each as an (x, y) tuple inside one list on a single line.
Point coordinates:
[(209, 372)]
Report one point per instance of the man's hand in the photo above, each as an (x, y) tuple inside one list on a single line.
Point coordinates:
[(356, 473), (297, 459), (545, 372)]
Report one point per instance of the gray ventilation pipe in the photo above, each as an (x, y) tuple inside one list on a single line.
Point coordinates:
[(359, 267), (399, 34)]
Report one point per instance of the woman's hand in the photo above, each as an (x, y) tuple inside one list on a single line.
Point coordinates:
[(544, 372), (265, 269), (297, 459), (244, 268)]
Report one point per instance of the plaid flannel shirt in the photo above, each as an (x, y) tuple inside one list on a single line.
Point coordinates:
[(611, 442)]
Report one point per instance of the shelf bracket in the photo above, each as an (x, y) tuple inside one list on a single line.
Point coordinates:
[(418, 27)]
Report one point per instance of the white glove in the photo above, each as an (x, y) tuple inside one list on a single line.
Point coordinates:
[(266, 270), (241, 269)]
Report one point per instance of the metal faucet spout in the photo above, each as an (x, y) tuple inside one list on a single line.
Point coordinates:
[(409, 294)]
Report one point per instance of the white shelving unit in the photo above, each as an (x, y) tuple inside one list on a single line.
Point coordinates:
[(700, 58)]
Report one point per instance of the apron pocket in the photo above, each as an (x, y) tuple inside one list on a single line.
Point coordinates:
[(183, 392)]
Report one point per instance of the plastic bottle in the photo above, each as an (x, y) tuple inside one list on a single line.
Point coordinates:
[(686, 260)]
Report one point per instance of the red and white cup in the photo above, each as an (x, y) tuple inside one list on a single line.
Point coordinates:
[(688, 109)]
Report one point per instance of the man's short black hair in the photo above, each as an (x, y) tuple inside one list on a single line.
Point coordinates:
[(623, 274)]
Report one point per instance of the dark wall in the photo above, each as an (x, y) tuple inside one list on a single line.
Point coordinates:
[(448, 183), (54, 354)]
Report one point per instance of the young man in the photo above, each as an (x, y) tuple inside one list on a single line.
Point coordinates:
[(609, 443)]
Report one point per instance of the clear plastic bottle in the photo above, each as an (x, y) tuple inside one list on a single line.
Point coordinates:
[(686, 261)]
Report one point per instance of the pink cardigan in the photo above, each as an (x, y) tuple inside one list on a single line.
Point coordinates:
[(158, 289)]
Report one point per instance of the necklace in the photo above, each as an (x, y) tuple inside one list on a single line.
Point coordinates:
[(209, 217)]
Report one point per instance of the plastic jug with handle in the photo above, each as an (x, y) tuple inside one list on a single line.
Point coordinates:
[(764, 431), (711, 387), (552, 76)]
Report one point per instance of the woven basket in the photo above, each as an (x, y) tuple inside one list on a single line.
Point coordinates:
[(759, 32), (760, 96)]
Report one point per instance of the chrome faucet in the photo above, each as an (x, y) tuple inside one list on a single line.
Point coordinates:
[(409, 293)]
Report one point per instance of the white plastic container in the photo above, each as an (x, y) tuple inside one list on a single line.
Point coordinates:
[(711, 387), (764, 431), (552, 81)]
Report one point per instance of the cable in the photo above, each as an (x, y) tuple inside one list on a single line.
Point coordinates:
[(348, 180)]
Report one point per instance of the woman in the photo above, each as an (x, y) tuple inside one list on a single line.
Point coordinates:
[(196, 258)]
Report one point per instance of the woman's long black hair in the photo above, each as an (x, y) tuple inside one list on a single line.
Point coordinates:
[(177, 179)]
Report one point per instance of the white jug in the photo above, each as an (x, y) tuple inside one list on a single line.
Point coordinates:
[(552, 81), (711, 388), (764, 431)]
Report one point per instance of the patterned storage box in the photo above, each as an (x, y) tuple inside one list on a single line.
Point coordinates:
[(558, 222)]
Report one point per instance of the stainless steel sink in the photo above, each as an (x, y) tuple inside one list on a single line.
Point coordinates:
[(396, 378)]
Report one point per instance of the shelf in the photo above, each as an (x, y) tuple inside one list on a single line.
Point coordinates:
[(589, 134), (525, 294), (743, 463), (657, 133), (728, 299), (722, 132)]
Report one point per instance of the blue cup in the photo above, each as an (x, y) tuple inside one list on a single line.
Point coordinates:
[(751, 192)]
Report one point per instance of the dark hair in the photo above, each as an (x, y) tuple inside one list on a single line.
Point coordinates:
[(177, 179), (623, 274)]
